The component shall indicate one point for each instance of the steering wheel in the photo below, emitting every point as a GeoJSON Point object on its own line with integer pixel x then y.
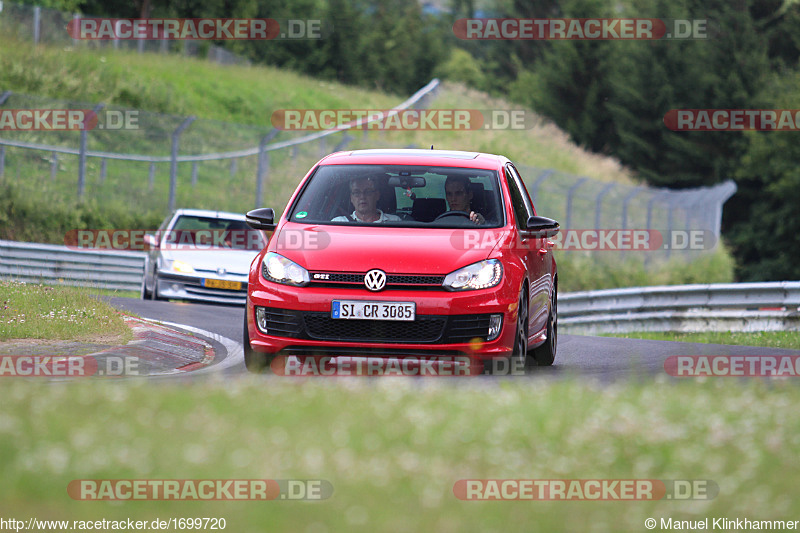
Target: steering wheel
{"type": "Point", "coordinates": [452, 214]}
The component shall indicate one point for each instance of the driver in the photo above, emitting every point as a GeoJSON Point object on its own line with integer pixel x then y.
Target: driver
{"type": "Point", "coordinates": [364, 195]}
{"type": "Point", "coordinates": [459, 196]}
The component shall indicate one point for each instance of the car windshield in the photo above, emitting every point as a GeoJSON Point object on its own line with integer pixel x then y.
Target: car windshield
{"type": "Point", "coordinates": [406, 196]}
{"type": "Point", "coordinates": [214, 232]}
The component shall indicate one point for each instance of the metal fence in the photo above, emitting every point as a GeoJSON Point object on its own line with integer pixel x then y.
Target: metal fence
{"type": "Point", "coordinates": [45, 263]}
{"type": "Point", "coordinates": [582, 203]}
{"type": "Point", "coordinates": [39, 25]}
{"type": "Point", "coordinates": [132, 143]}
{"type": "Point", "coordinates": [773, 306]}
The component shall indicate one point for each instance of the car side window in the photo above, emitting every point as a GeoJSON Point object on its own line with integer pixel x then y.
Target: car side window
{"type": "Point", "coordinates": [519, 200]}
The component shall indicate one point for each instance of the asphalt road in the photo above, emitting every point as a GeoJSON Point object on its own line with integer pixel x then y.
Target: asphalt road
{"type": "Point", "coordinates": [605, 359]}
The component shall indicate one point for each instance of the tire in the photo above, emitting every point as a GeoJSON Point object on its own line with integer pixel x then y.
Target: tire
{"type": "Point", "coordinates": [154, 292]}
{"type": "Point", "coordinates": [518, 360]}
{"type": "Point", "coordinates": [545, 354]}
{"type": "Point", "coordinates": [256, 362]}
{"type": "Point", "coordinates": [144, 294]}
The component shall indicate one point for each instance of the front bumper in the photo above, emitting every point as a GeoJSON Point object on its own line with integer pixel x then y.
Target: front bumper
{"type": "Point", "coordinates": [441, 328]}
{"type": "Point", "coordinates": [171, 286]}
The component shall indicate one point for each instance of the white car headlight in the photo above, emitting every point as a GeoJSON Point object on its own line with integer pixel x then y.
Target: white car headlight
{"type": "Point", "coordinates": [277, 268]}
{"type": "Point", "coordinates": [480, 275]}
{"type": "Point", "coordinates": [181, 267]}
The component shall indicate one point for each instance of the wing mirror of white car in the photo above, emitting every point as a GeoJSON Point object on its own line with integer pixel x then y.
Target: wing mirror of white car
{"type": "Point", "coordinates": [150, 241]}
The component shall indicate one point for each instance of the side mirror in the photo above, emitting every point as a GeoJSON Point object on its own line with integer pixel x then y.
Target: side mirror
{"type": "Point", "coordinates": [150, 242]}
{"type": "Point", "coordinates": [542, 227]}
{"type": "Point", "coordinates": [263, 219]}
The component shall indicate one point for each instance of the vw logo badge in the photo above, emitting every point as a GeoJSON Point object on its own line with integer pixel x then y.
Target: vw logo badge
{"type": "Point", "coordinates": [375, 280]}
{"type": "Point", "coordinates": [221, 272]}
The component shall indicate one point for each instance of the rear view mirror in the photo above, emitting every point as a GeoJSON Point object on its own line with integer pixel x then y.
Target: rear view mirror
{"type": "Point", "coordinates": [407, 181]}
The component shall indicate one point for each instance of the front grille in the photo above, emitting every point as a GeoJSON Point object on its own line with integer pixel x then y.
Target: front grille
{"type": "Point", "coordinates": [320, 326]}
{"type": "Point", "coordinates": [393, 281]}
{"type": "Point", "coordinates": [432, 329]}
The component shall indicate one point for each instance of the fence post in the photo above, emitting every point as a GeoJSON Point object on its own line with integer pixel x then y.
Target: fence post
{"type": "Point", "coordinates": [37, 19]}
{"type": "Point", "coordinates": [2, 160]}
{"type": "Point", "coordinates": [173, 163]}
{"type": "Point", "coordinates": [103, 168]}
{"type": "Point", "coordinates": [82, 155]}
{"type": "Point", "coordinates": [536, 184]}
{"type": "Point", "coordinates": [76, 25]}
{"type": "Point", "coordinates": [233, 166]}
{"type": "Point", "coordinates": [53, 166]}
{"type": "Point", "coordinates": [151, 177]}
{"type": "Point", "coordinates": [346, 138]}
{"type": "Point", "coordinates": [598, 203]}
{"type": "Point", "coordinates": [263, 164]}
{"type": "Point", "coordinates": [570, 192]}
{"type": "Point", "coordinates": [194, 174]}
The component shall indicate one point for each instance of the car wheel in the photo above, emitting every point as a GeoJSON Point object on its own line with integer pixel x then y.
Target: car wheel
{"type": "Point", "coordinates": [154, 292]}
{"type": "Point", "coordinates": [545, 354]}
{"type": "Point", "coordinates": [256, 362]}
{"type": "Point", "coordinates": [144, 293]}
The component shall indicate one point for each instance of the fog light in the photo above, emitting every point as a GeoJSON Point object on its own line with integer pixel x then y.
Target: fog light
{"type": "Point", "coordinates": [175, 287]}
{"type": "Point", "coordinates": [495, 323]}
{"type": "Point", "coordinates": [261, 319]}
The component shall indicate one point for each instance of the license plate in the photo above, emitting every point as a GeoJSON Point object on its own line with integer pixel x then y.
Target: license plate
{"type": "Point", "coordinates": [360, 310]}
{"type": "Point", "coordinates": [222, 284]}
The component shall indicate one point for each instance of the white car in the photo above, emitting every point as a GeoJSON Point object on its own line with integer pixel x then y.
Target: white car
{"type": "Point", "coordinates": [201, 255]}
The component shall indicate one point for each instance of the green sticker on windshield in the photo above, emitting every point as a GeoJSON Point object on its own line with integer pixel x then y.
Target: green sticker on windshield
{"type": "Point", "coordinates": [301, 214]}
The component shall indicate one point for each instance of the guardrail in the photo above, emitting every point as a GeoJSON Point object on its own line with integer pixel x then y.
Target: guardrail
{"type": "Point", "coordinates": [773, 306]}
{"type": "Point", "coordinates": [717, 307]}
{"type": "Point", "coordinates": [46, 263]}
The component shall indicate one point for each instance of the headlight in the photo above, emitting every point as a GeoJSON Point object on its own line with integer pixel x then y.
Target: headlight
{"type": "Point", "coordinates": [480, 275]}
{"type": "Point", "coordinates": [277, 268]}
{"type": "Point", "coordinates": [183, 268]}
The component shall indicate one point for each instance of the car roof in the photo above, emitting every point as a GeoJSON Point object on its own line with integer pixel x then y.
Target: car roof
{"type": "Point", "coordinates": [446, 158]}
{"type": "Point", "coordinates": [209, 214]}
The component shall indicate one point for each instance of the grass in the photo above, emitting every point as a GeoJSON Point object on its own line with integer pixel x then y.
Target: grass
{"type": "Point", "coordinates": [763, 339]}
{"type": "Point", "coordinates": [393, 458]}
{"type": "Point", "coordinates": [57, 313]}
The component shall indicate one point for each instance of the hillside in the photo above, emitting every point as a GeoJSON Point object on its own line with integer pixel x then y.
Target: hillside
{"type": "Point", "coordinates": [245, 95]}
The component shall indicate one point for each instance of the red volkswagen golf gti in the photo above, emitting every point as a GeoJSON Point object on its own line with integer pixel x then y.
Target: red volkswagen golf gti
{"type": "Point", "coordinates": [425, 254]}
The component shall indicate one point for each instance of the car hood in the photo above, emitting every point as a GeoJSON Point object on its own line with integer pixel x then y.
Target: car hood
{"type": "Point", "coordinates": [233, 261]}
{"type": "Point", "coordinates": [392, 249]}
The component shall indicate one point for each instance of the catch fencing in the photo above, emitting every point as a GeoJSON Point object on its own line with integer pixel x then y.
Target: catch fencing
{"type": "Point", "coordinates": [40, 25]}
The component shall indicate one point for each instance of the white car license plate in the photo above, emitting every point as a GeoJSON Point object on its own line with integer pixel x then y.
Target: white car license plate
{"type": "Point", "coordinates": [360, 310]}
